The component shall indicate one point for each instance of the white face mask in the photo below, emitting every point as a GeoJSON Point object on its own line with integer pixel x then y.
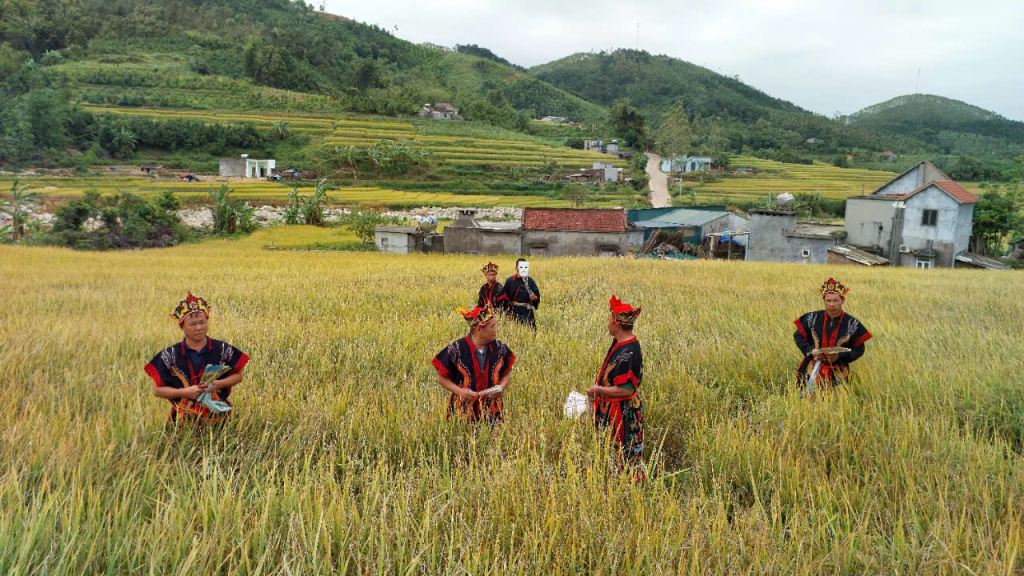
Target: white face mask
{"type": "Point", "coordinates": [524, 269]}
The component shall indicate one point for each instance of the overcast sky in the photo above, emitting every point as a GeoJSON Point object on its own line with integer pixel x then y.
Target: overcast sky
{"type": "Point", "coordinates": [826, 56]}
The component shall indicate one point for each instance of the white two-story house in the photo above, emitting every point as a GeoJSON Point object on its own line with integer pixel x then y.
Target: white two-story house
{"type": "Point", "coordinates": [921, 219]}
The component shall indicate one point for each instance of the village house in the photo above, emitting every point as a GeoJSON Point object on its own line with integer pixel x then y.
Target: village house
{"type": "Point", "coordinates": [695, 223]}
{"type": "Point", "coordinates": [776, 236]}
{"type": "Point", "coordinates": [554, 120]}
{"type": "Point", "coordinates": [246, 167]}
{"type": "Point", "coordinates": [611, 173]}
{"type": "Point", "coordinates": [602, 146]}
{"type": "Point", "coordinates": [813, 141]}
{"type": "Point", "coordinates": [919, 219]}
{"type": "Point", "coordinates": [440, 111]}
{"type": "Point", "coordinates": [543, 231]}
{"type": "Point", "coordinates": [586, 176]}
{"type": "Point", "coordinates": [574, 232]}
{"type": "Point", "coordinates": [888, 156]}
{"type": "Point", "coordinates": [687, 164]}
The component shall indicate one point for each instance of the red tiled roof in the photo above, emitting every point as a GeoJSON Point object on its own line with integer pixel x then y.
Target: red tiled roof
{"type": "Point", "coordinates": [957, 191]}
{"type": "Point", "coordinates": [949, 187]}
{"type": "Point", "coordinates": [606, 220]}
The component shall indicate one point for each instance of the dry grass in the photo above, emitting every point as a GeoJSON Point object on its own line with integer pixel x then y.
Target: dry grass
{"type": "Point", "coordinates": [342, 460]}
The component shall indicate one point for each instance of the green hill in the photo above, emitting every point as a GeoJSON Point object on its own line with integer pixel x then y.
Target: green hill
{"type": "Point", "coordinates": [653, 83]}
{"type": "Point", "coordinates": [277, 44]}
{"type": "Point", "coordinates": [749, 118]}
{"type": "Point", "coordinates": [954, 126]}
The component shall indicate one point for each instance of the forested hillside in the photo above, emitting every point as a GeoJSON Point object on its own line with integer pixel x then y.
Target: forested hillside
{"type": "Point", "coordinates": [97, 50]}
{"type": "Point", "coordinates": [724, 114]}
{"type": "Point", "coordinates": [955, 127]}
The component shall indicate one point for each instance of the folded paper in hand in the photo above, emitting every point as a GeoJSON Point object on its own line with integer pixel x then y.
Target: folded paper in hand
{"type": "Point", "coordinates": [214, 371]}
{"type": "Point", "coordinates": [576, 405]}
{"type": "Point", "coordinates": [211, 373]}
{"type": "Point", "coordinates": [489, 391]}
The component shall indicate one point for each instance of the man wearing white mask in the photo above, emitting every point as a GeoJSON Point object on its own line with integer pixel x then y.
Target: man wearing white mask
{"type": "Point", "coordinates": [523, 294]}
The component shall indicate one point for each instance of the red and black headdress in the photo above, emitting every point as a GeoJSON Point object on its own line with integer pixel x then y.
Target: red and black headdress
{"type": "Point", "coordinates": [490, 267]}
{"type": "Point", "coordinates": [624, 314]}
{"type": "Point", "coordinates": [188, 305]}
{"type": "Point", "coordinates": [477, 316]}
{"type": "Point", "coordinates": [833, 286]}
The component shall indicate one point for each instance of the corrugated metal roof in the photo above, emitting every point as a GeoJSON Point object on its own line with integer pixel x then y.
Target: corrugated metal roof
{"type": "Point", "coordinates": [981, 261]}
{"type": "Point", "coordinates": [682, 217]}
{"type": "Point", "coordinates": [859, 256]}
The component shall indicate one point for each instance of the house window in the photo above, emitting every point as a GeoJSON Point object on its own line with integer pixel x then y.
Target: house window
{"type": "Point", "coordinates": [924, 263]}
{"type": "Point", "coordinates": [805, 253]}
{"type": "Point", "coordinates": [930, 218]}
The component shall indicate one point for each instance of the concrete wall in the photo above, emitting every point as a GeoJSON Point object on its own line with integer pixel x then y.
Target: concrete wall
{"type": "Point", "coordinates": [869, 223]}
{"type": "Point", "coordinates": [771, 239]}
{"type": "Point", "coordinates": [943, 236]}
{"type": "Point", "coordinates": [636, 237]}
{"type": "Point", "coordinates": [565, 243]}
{"type": "Point", "coordinates": [478, 240]}
{"type": "Point", "coordinates": [234, 167]}
{"type": "Point", "coordinates": [817, 246]}
{"type": "Point", "coordinates": [768, 242]}
{"type": "Point", "coordinates": [913, 180]}
{"type": "Point", "coordinates": [395, 242]}
{"type": "Point", "coordinates": [965, 223]}
{"type": "Point", "coordinates": [730, 222]}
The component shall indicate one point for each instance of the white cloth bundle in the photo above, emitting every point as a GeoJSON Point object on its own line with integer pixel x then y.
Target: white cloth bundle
{"type": "Point", "coordinates": [576, 405]}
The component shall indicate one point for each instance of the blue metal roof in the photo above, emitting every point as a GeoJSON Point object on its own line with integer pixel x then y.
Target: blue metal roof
{"type": "Point", "coordinates": [682, 217]}
{"type": "Point", "coordinates": [652, 213]}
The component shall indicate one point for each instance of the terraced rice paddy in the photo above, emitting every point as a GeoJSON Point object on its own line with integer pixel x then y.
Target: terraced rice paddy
{"type": "Point", "coordinates": [59, 189]}
{"type": "Point", "coordinates": [831, 182]}
{"type": "Point", "coordinates": [461, 148]}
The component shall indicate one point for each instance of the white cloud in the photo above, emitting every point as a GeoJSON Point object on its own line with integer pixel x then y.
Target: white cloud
{"type": "Point", "coordinates": [825, 56]}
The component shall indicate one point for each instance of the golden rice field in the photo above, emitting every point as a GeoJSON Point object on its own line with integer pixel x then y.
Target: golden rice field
{"type": "Point", "coordinates": [261, 191]}
{"type": "Point", "coordinates": [341, 459]}
{"type": "Point", "coordinates": [831, 182]}
{"type": "Point", "coordinates": [454, 148]}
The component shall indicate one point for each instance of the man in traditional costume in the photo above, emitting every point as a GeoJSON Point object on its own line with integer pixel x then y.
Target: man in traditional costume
{"type": "Point", "coordinates": [178, 370]}
{"type": "Point", "coordinates": [523, 294]}
{"type": "Point", "coordinates": [829, 328]}
{"type": "Point", "coordinates": [617, 403]}
{"type": "Point", "coordinates": [476, 369]}
{"type": "Point", "coordinates": [492, 293]}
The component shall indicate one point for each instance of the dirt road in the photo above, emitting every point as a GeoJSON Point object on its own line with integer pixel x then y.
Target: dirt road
{"type": "Point", "coordinates": [658, 182]}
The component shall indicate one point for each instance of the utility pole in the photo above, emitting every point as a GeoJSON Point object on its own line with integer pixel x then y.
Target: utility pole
{"type": "Point", "coordinates": [917, 86]}
{"type": "Point", "coordinates": [637, 36]}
